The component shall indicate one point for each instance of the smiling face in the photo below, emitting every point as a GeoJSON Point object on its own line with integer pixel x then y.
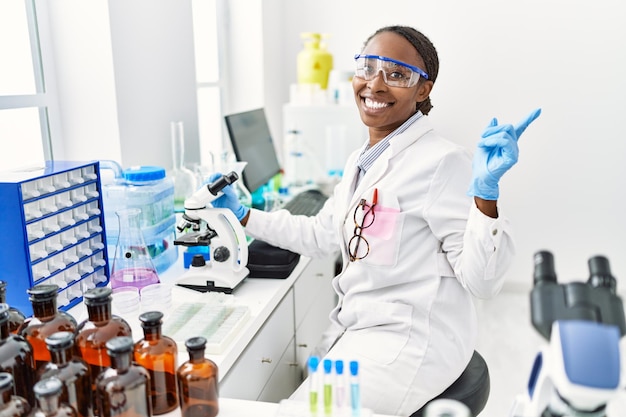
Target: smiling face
{"type": "Point", "coordinates": [382, 108]}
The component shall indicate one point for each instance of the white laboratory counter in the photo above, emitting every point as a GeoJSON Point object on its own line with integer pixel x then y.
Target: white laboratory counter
{"type": "Point", "coordinates": [242, 408]}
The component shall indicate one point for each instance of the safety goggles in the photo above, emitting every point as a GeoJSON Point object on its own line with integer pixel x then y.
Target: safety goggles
{"type": "Point", "coordinates": [395, 73]}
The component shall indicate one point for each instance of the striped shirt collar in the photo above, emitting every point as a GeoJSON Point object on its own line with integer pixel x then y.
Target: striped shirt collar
{"type": "Point", "coordinates": [370, 154]}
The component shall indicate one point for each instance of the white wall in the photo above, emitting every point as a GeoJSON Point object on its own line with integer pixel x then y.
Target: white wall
{"type": "Point", "coordinates": [502, 59]}
{"type": "Point", "coordinates": [125, 70]}
{"type": "Point", "coordinates": [155, 79]}
{"type": "Point", "coordinates": [244, 53]}
{"type": "Point", "coordinates": [83, 65]}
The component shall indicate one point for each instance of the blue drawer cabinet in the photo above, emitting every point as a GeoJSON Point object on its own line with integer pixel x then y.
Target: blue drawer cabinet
{"type": "Point", "coordinates": [52, 231]}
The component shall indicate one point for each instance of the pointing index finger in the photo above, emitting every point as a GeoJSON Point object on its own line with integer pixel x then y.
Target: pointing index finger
{"type": "Point", "coordinates": [521, 126]}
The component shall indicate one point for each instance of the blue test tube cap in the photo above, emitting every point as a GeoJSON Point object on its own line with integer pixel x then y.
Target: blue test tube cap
{"type": "Point", "coordinates": [328, 366]}
{"type": "Point", "coordinates": [354, 368]}
{"type": "Point", "coordinates": [339, 367]}
{"type": "Point", "coordinates": [314, 362]}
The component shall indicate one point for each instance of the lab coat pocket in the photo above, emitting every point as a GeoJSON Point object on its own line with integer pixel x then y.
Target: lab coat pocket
{"type": "Point", "coordinates": [384, 330]}
{"type": "Point", "coordinates": [383, 236]}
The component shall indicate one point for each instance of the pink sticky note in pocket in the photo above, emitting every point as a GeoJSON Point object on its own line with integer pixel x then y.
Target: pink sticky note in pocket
{"type": "Point", "coordinates": [385, 223]}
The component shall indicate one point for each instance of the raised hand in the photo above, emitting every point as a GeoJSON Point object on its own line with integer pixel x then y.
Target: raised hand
{"type": "Point", "coordinates": [496, 153]}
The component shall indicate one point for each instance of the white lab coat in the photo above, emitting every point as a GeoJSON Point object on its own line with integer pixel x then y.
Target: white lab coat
{"type": "Point", "coordinates": [405, 311]}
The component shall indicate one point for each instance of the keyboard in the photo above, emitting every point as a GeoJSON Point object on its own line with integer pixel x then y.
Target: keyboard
{"type": "Point", "coordinates": [218, 322]}
{"type": "Point", "coordinates": [307, 202]}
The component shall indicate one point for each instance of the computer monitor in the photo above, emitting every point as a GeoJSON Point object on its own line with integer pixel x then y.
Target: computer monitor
{"type": "Point", "coordinates": [252, 143]}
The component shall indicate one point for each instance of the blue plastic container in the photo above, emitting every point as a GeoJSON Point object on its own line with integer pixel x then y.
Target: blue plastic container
{"type": "Point", "coordinates": [150, 190]}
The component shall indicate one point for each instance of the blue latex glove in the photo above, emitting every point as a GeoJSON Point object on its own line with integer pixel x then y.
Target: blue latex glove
{"type": "Point", "coordinates": [496, 153]}
{"type": "Point", "coordinates": [229, 199]}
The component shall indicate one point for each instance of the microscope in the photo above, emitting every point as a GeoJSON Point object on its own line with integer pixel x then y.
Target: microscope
{"type": "Point", "coordinates": [219, 229]}
{"type": "Point", "coordinates": [578, 372]}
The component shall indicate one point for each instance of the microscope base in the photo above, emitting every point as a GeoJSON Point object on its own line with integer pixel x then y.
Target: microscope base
{"type": "Point", "coordinates": [204, 279]}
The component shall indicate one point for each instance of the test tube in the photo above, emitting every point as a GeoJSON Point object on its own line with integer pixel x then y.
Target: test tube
{"type": "Point", "coordinates": [328, 387]}
{"type": "Point", "coordinates": [314, 362]}
{"type": "Point", "coordinates": [340, 387]}
{"type": "Point", "coordinates": [355, 394]}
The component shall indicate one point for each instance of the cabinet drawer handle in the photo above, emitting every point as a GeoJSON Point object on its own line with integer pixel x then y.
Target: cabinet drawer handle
{"type": "Point", "coordinates": [266, 360]}
{"type": "Point", "coordinates": [303, 345]}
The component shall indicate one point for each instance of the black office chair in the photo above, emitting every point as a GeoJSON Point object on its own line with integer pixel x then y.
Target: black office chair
{"type": "Point", "coordinates": [471, 388]}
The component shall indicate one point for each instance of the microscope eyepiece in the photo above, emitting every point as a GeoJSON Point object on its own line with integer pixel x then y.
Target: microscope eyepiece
{"type": "Point", "coordinates": [544, 268]}
{"type": "Point", "coordinates": [600, 273]}
{"type": "Point", "coordinates": [226, 179]}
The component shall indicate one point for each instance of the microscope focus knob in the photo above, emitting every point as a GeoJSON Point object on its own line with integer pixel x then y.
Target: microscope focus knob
{"type": "Point", "coordinates": [221, 254]}
{"type": "Point", "coordinates": [198, 261]}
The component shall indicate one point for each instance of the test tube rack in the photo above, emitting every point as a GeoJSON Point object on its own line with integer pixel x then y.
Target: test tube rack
{"type": "Point", "coordinates": [53, 231]}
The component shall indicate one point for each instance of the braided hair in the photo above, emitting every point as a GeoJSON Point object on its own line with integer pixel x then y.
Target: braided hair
{"type": "Point", "coordinates": [424, 48]}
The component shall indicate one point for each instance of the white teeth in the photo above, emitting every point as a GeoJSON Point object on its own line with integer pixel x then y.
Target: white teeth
{"type": "Point", "coordinates": [374, 104]}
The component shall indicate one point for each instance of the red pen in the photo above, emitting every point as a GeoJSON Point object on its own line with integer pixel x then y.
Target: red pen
{"type": "Point", "coordinates": [375, 198]}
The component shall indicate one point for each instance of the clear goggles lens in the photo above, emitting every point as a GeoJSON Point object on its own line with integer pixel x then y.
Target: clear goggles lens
{"type": "Point", "coordinates": [395, 73]}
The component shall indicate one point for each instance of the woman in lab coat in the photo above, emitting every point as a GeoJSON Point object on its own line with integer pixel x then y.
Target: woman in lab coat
{"type": "Point", "coordinates": [416, 245]}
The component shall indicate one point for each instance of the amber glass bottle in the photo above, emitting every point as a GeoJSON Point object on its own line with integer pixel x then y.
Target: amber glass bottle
{"type": "Point", "coordinates": [46, 319]}
{"type": "Point", "coordinates": [158, 354]}
{"type": "Point", "coordinates": [11, 405]}
{"type": "Point", "coordinates": [99, 327]}
{"type": "Point", "coordinates": [48, 393]}
{"type": "Point", "coordinates": [71, 370]}
{"type": "Point", "coordinates": [16, 317]}
{"type": "Point", "coordinates": [198, 382]}
{"type": "Point", "coordinates": [16, 358]}
{"type": "Point", "coordinates": [123, 389]}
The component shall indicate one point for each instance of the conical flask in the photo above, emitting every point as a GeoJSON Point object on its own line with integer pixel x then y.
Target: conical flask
{"type": "Point", "coordinates": [132, 265]}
